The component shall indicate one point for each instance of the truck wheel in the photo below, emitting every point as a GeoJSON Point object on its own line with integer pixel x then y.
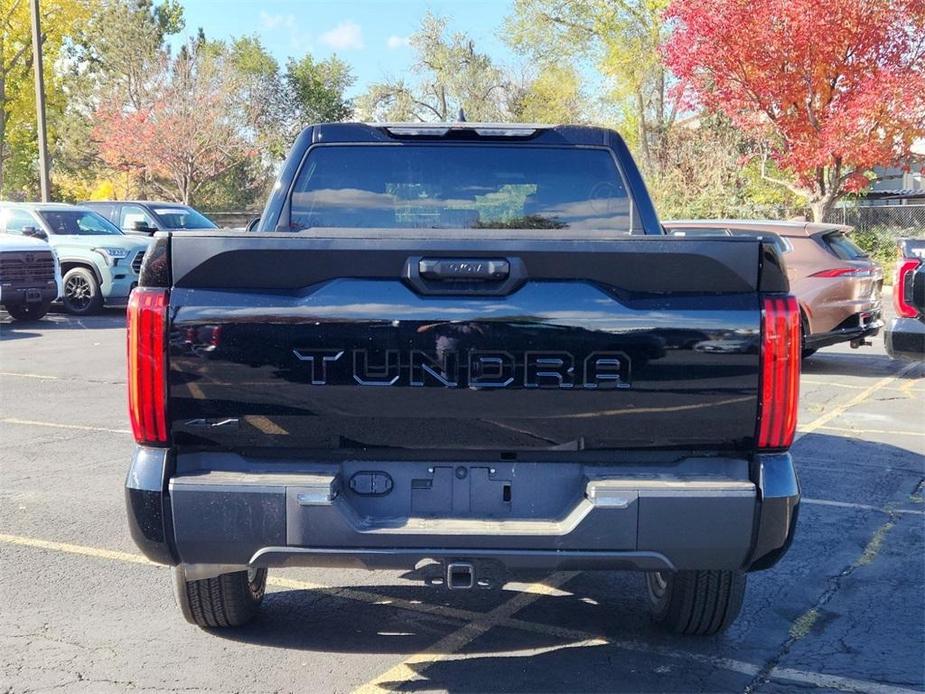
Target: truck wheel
{"type": "Point", "coordinates": [26, 312]}
{"type": "Point", "coordinates": [228, 600]}
{"type": "Point", "coordinates": [695, 602]}
{"type": "Point", "coordinates": [81, 292]}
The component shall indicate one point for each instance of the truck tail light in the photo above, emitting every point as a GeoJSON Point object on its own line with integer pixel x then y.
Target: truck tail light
{"type": "Point", "coordinates": [147, 365]}
{"type": "Point", "coordinates": [903, 287]}
{"type": "Point", "coordinates": [781, 346]}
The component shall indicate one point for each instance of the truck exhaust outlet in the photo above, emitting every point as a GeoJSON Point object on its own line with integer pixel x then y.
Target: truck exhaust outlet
{"type": "Point", "coordinates": [460, 575]}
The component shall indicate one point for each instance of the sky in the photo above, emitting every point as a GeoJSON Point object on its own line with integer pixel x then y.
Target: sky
{"type": "Point", "coordinates": [371, 35]}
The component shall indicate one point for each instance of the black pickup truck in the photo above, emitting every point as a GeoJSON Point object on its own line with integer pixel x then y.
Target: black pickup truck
{"type": "Point", "coordinates": [467, 349]}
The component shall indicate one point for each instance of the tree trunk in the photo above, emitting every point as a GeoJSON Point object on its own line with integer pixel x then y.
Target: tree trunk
{"type": "Point", "coordinates": [643, 132]}
{"type": "Point", "coordinates": [820, 207]}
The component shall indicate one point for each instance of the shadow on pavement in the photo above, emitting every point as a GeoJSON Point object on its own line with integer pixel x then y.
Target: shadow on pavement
{"type": "Point", "coordinates": [107, 319]}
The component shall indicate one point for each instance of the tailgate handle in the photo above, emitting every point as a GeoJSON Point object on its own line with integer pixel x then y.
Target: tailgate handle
{"type": "Point", "coordinates": [464, 269]}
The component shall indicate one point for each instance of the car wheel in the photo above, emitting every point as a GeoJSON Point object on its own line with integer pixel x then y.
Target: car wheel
{"type": "Point", "coordinates": [81, 292]}
{"type": "Point", "coordinates": [695, 602]}
{"type": "Point", "coordinates": [27, 312]}
{"type": "Point", "coordinates": [227, 600]}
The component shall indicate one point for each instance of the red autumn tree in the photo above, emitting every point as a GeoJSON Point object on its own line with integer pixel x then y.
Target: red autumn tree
{"type": "Point", "coordinates": [190, 135]}
{"type": "Point", "coordinates": [832, 88]}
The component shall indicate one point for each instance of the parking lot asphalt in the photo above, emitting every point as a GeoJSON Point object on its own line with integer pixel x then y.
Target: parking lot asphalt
{"type": "Point", "coordinates": [82, 611]}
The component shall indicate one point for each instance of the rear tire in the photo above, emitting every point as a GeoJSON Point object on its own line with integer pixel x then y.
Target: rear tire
{"type": "Point", "coordinates": [27, 312]}
{"type": "Point", "coordinates": [81, 292]}
{"type": "Point", "coordinates": [695, 602]}
{"type": "Point", "coordinates": [227, 600]}
{"type": "Point", "coordinates": [805, 352]}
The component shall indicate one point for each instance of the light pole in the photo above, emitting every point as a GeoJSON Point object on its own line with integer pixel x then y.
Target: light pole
{"type": "Point", "coordinates": [40, 100]}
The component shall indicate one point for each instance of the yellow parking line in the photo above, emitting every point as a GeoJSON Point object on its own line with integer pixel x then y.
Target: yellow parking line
{"type": "Point", "coordinates": [448, 613]}
{"type": "Point", "coordinates": [405, 671]}
{"type": "Point", "coordinates": [76, 549]}
{"type": "Point", "coordinates": [54, 425]}
{"type": "Point", "coordinates": [865, 394]}
{"type": "Point", "coordinates": [22, 375]}
{"type": "Point", "coordinates": [890, 432]}
{"type": "Point", "coordinates": [814, 382]}
{"type": "Point", "coordinates": [906, 388]}
{"type": "Point", "coordinates": [195, 390]}
{"type": "Point", "coordinates": [577, 637]}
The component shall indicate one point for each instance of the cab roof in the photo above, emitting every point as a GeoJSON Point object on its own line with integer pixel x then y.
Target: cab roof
{"type": "Point", "coordinates": [537, 133]}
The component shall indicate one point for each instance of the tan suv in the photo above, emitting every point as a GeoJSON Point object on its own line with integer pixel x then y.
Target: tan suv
{"type": "Point", "coordinates": [837, 285]}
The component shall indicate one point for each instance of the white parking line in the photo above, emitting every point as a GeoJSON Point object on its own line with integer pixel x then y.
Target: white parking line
{"type": "Point", "coordinates": [862, 507]}
{"type": "Point", "coordinates": [24, 375]}
{"type": "Point", "coordinates": [54, 425]}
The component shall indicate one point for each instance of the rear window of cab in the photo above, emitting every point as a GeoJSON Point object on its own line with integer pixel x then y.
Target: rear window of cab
{"type": "Point", "coordinates": [462, 186]}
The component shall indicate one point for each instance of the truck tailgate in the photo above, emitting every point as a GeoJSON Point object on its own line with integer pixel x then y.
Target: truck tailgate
{"type": "Point", "coordinates": [333, 342]}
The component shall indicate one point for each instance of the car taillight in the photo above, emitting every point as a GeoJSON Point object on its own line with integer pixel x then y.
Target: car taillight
{"type": "Point", "coordinates": [147, 364]}
{"type": "Point", "coordinates": [780, 371]}
{"type": "Point", "coordinates": [842, 272]}
{"type": "Point", "coordinates": [902, 288]}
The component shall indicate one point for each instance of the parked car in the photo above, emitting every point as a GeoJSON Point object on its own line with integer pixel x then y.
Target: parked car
{"type": "Point", "coordinates": [905, 336]}
{"type": "Point", "coordinates": [837, 285]}
{"type": "Point", "coordinates": [30, 277]}
{"type": "Point", "coordinates": [100, 264]}
{"type": "Point", "coordinates": [469, 349]}
{"type": "Point", "coordinates": [147, 217]}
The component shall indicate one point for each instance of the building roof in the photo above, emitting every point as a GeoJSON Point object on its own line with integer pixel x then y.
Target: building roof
{"type": "Point", "coordinates": [896, 193]}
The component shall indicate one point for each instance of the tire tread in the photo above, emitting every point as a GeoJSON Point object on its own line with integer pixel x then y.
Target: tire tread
{"type": "Point", "coordinates": [220, 601]}
{"type": "Point", "coordinates": [701, 602]}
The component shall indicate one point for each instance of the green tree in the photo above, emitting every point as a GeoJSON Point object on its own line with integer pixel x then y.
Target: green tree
{"type": "Point", "coordinates": [318, 89]}
{"type": "Point", "coordinates": [60, 21]}
{"type": "Point", "coordinates": [190, 136]}
{"type": "Point", "coordinates": [709, 172]}
{"type": "Point", "coordinates": [452, 75]}
{"type": "Point", "coordinates": [117, 57]}
{"type": "Point", "coordinates": [553, 96]}
{"type": "Point", "coordinates": [259, 103]}
{"type": "Point", "coordinates": [622, 38]}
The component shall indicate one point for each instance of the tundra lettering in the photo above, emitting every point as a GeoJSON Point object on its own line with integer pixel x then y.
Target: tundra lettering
{"type": "Point", "coordinates": [477, 369]}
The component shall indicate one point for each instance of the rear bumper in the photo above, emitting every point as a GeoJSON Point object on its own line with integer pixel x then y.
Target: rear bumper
{"type": "Point", "coordinates": [858, 326]}
{"type": "Point", "coordinates": [205, 512]}
{"type": "Point", "coordinates": [905, 339]}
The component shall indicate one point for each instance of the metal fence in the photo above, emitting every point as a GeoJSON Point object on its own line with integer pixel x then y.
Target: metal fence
{"type": "Point", "coordinates": [899, 220]}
